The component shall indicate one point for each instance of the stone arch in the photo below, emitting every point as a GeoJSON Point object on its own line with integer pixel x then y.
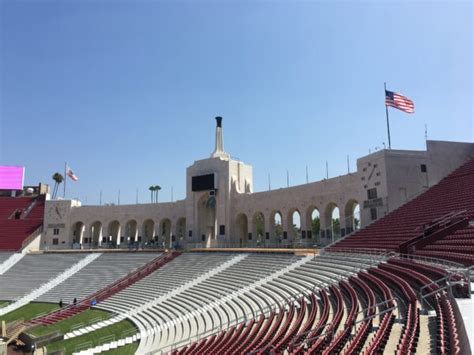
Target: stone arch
{"type": "Point", "coordinates": [96, 233]}
{"type": "Point", "coordinates": [180, 232]}
{"type": "Point", "coordinates": [276, 225]}
{"type": "Point", "coordinates": [332, 221]}
{"type": "Point", "coordinates": [351, 216]}
{"type": "Point", "coordinates": [258, 227]}
{"type": "Point", "coordinates": [77, 232]}
{"type": "Point", "coordinates": [113, 232]}
{"type": "Point", "coordinates": [242, 229]}
{"type": "Point", "coordinates": [148, 230]}
{"type": "Point", "coordinates": [206, 211]}
{"type": "Point", "coordinates": [294, 224]}
{"type": "Point", "coordinates": [131, 231]}
{"type": "Point", "coordinates": [165, 233]}
{"type": "Point", "coordinates": [313, 222]}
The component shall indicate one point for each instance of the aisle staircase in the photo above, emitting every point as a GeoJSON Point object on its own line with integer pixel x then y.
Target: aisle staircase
{"type": "Point", "coordinates": [50, 284]}
{"type": "Point", "coordinates": [106, 292]}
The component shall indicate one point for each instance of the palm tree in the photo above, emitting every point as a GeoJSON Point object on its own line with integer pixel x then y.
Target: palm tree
{"type": "Point", "coordinates": [151, 188]}
{"type": "Point", "coordinates": [58, 179]}
{"type": "Point", "coordinates": [157, 189]}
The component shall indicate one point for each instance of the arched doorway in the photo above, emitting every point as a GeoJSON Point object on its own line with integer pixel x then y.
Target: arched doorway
{"type": "Point", "coordinates": [258, 228]}
{"type": "Point", "coordinates": [131, 231]}
{"type": "Point", "coordinates": [352, 216]}
{"type": "Point", "coordinates": [77, 231]}
{"type": "Point", "coordinates": [181, 230]}
{"type": "Point", "coordinates": [113, 233]}
{"type": "Point", "coordinates": [165, 233]}
{"type": "Point", "coordinates": [313, 224]}
{"type": "Point", "coordinates": [96, 234]}
{"type": "Point", "coordinates": [148, 230]}
{"type": "Point", "coordinates": [207, 219]}
{"type": "Point", "coordinates": [333, 223]}
{"type": "Point", "coordinates": [294, 227]}
{"type": "Point", "coordinates": [276, 227]}
{"type": "Point", "coordinates": [242, 230]}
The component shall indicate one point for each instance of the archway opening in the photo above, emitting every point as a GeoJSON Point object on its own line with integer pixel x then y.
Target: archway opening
{"type": "Point", "coordinates": [277, 227]}
{"type": "Point", "coordinates": [165, 233]}
{"type": "Point", "coordinates": [96, 233]}
{"type": "Point", "coordinates": [131, 231]}
{"type": "Point", "coordinates": [147, 231]}
{"type": "Point", "coordinates": [206, 207]}
{"type": "Point", "coordinates": [77, 231]}
{"type": "Point", "coordinates": [352, 214]}
{"type": "Point", "coordinates": [114, 233]}
{"type": "Point", "coordinates": [336, 223]}
{"type": "Point", "coordinates": [181, 230]}
{"type": "Point", "coordinates": [258, 228]}
{"type": "Point", "coordinates": [243, 236]}
{"type": "Point", "coordinates": [315, 219]}
{"type": "Point", "coordinates": [295, 226]}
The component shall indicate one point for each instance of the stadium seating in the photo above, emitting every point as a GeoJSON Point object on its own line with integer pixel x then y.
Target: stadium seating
{"type": "Point", "coordinates": [293, 327]}
{"type": "Point", "coordinates": [35, 270]}
{"type": "Point", "coordinates": [13, 232]}
{"type": "Point", "coordinates": [239, 292]}
{"type": "Point", "coordinates": [454, 247]}
{"type": "Point", "coordinates": [451, 199]}
{"type": "Point", "coordinates": [224, 302]}
{"type": "Point", "coordinates": [4, 256]}
{"type": "Point", "coordinates": [102, 272]}
{"type": "Point", "coordinates": [107, 291]}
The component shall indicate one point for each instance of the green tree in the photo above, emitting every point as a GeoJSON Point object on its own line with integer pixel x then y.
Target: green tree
{"type": "Point", "coordinates": [278, 230]}
{"type": "Point", "coordinates": [336, 226]}
{"type": "Point", "coordinates": [260, 225]}
{"type": "Point", "coordinates": [151, 188]}
{"type": "Point", "coordinates": [157, 190]}
{"type": "Point", "coordinates": [316, 226]}
{"type": "Point", "coordinates": [58, 179]}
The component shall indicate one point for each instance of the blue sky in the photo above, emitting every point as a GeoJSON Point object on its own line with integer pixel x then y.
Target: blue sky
{"type": "Point", "coordinates": [126, 92]}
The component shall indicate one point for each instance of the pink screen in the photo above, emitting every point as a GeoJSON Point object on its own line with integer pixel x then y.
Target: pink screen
{"type": "Point", "coordinates": [11, 177]}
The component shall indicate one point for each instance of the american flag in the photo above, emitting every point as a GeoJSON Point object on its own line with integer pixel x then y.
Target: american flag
{"type": "Point", "coordinates": [71, 174]}
{"type": "Point", "coordinates": [399, 101]}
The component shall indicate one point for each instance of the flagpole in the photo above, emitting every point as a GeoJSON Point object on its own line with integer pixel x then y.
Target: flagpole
{"type": "Point", "coordinates": [65, 179]}
{"type": "Point", "coordinates": [386, 112]}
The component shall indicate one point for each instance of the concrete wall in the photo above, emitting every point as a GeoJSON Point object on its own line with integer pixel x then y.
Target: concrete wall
{"type": "Point", "coordinates": [396, 175]}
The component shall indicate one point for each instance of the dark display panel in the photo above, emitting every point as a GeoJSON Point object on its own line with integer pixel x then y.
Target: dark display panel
{"type": "Point", "coordinates": [203, 182]}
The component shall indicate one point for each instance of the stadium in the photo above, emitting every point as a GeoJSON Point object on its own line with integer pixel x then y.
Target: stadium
{"type": "Point", "coordinates": [227, 270]}
{"type": "Point", "coordinates": [127, 226]}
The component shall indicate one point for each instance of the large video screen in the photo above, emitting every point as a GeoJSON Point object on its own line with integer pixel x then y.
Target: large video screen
{"type": "Point", "coordinates": [12, 177]}
{"type": "Point", "coordinates": [203, 182]}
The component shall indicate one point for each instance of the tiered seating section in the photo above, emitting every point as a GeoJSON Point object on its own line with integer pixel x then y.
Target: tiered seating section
{"type": "Point", "coordinates": [106, 292]}
{"type": "Point", "coordinates": [452, 195]}
{"type": "Point", "coordinates": [254, 303]}
{"type": "Point", "coordinates": [32, 271]}
{"type": "Point", "coordinates": [13, 232]}
{"type": "Point", "coordinates": [322, 322]}
{"type": "Point", "coordinates": [457, 247]}
{"type": "Point", "coordinates": [103, 271]}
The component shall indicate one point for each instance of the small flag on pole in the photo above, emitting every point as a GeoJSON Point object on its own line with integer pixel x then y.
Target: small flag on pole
{"type": "Point", "coordinates": [71, 174]}
{"type": "Point", "coordinates": [399, 101]}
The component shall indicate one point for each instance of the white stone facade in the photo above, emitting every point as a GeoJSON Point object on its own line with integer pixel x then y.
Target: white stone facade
{"type": "Point", "coordinates": [228, 214]}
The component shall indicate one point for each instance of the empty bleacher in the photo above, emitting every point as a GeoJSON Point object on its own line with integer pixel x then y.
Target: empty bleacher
{"type": "Point", "coordinates": [452, 196]}
{"type": "Point", "coordinates": [295, 328]}
{"type": "Point", "coordinates": [13, 232]}
{"type": "Point", "coordinates": [103, 271]}
{"type": "Point", "coordinates": [457, 247]}
{"type": "Point", "coordinates": [4, 256]}
{"type": "Point", "coordinates": [32, 271]}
